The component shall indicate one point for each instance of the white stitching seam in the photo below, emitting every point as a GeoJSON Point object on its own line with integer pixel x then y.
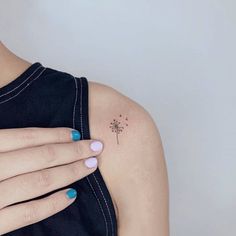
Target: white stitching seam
{"type": "Point", "coordinates": [112, 233]}
{"type": "Point", "coordinates": [99, 205]}
{"type": "Point", "coordinates": [82, 135]}
{"type": "Point", "coordinates": [104, 200]}
{"type": "Point", "coordinates": [76, 95]}
{"type": "Point", "coordinates": [24, 87]}
{"type": "Point", "coordinates": [81, 113]}
{"type": "Point", "coordinates": [21, 82]}
{"type": "Point", "coordinates": [98, 184]}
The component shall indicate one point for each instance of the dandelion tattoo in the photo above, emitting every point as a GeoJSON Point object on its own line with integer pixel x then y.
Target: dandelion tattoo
{"type": "Point", "coordinates": [117, 126]}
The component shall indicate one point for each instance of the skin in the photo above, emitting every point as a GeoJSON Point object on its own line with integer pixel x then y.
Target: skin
{"type": "Point", "coordinates": [132, 162]}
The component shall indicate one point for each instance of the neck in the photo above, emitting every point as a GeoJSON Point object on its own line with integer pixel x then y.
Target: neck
{"type": "Point", "coordinates": [11, 66]}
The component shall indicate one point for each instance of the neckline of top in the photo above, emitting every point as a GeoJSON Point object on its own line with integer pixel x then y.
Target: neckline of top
{"type": "Point", "coordinates": [26, 76]}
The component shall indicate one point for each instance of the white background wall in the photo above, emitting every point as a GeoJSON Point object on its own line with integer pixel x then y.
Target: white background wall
{"type": "Point", "coordinates": [174, 57]}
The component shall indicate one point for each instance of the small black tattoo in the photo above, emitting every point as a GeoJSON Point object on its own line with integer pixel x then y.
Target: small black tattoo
{"type": "Point", "coordinates": [117, 127]}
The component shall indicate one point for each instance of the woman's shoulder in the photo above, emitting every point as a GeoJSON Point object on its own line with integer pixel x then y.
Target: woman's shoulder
{"type": "Point", "coordinates": [132, 161]}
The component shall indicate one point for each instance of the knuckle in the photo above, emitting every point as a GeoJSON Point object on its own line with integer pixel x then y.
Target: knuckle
{"type": "Point", "coordinates": [28, 135]}
{"type": "Point", "coordinates": [30, 214]}
{"type": "Point", "coordinates": [24, 181]}
{"type": "Point", "coordinates": [50, 154]}
{"type": "Point", "coordinates": [62, 133]}
{"type": "Point", "coordinates": [52, 205]}
{"type": "Point", "coordinates": [79, 148]}
{"type": "Point", "coordinates": [43, 178]}
{"type": "Point", "coordinates": [50, 151]}
{"type": "Point", "coordinates": [74, 169]}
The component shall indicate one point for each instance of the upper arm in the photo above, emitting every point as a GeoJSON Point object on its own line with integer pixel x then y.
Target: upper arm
{"type": "Point", "coordinates": [132, 162]}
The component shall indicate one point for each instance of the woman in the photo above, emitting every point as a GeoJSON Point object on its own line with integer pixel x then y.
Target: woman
{"type": "Point", "coordinates": [56, 177]}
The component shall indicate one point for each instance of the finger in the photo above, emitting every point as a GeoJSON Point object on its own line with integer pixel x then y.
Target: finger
{"type": "Point", "coordinates": [12, 139]}
{"type": "Point", "coordinates": [31, 185]}
{"type": "Point", "coordinates": [20, 215]}
{"type": "Point", "coordinates": [36, 158]}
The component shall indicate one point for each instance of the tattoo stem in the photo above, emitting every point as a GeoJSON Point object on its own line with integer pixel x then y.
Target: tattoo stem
{"type": "Point", "coordinates": [117, 138]}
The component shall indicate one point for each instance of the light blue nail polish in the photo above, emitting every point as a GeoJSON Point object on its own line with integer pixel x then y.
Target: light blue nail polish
{"type": "Point", "coordinates": [71, 193]}
{"type": "Point", "coordinates": [75, 135]}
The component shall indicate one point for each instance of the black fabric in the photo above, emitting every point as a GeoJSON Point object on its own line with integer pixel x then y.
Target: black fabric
{"type": "Point", "coordinates": [45, 97]}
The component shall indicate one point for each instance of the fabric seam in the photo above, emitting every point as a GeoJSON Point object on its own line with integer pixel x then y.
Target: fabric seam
{"type": "Point", "coordinates": [91, 186]}
{"type": "Point", "coordinates": [4, 94]}
{"type": "Point", "coordinates": [82, 135]}
{"type": "Point", "coordinates": [98, 184]}
{"type": "Point", "coordinates": [38, 76]}
{"type": "Point", "coordinates": [97, 181]}
{"type": "Point", "coordinates": [76, 98]}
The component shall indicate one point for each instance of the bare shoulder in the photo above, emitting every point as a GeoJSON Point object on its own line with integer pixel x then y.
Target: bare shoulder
{"type": "Point", "coordinates": [132, 163]}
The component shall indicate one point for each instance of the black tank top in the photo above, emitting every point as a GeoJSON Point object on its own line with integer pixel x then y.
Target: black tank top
{"type": "Point", "coordinates": [45, 97]}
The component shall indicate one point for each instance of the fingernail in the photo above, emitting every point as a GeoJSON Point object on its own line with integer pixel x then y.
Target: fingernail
{"type": "Point", "coordinates": [71, 193]}
{"type": "Point", "coordinates": [75, 135]}
{"type": "Point", "coordinates": [96, 146]}
{"type": "Point", "coordinates": [91, 162]}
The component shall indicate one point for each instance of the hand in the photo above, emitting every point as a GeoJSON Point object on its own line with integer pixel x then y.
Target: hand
{"type": "Point", "coordinates": [33, 162]}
